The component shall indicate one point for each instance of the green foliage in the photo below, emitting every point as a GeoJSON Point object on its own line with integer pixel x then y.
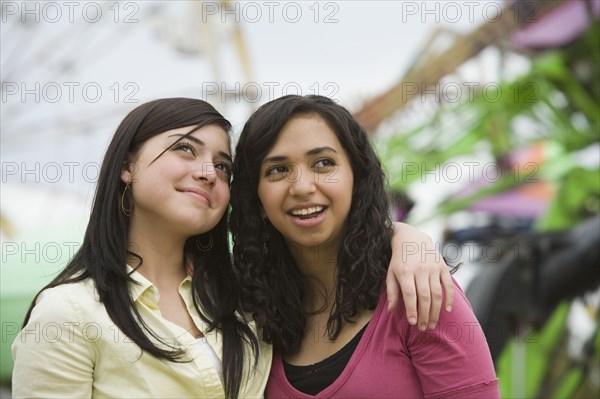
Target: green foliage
{"type": "Point", "coordinates": [548, 105]}
{"type": "Point", "coordinates": [577, 199]}
{"type": "Point", "coordinates": [523, 372]}
{"type": "Point", "coordinates": [555, 105]}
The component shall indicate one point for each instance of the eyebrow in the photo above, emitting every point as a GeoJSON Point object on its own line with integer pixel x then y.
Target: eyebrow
{"type": "Point", "coordinates": [314, 151]}
{"type": "Point", "coordinates": [202, 144]}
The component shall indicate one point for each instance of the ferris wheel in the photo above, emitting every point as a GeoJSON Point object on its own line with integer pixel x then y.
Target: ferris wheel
{"type": "Point", "coordinates": [70, 71]}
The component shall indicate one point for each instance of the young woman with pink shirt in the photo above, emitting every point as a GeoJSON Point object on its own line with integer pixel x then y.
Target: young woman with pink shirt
{"type": "Point", "coordinates": [311, 228]}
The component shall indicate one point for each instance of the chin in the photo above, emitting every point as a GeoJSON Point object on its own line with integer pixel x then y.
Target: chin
{"type": "Point", "coordinates": [305, 242]}
{"type": "Point", "coordinates": [194, 229]}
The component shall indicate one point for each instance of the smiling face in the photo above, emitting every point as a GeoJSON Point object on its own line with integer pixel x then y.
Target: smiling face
{"type": "Point", "coordinates": [305, 184]}
{"type": "Point", "coordinates": [185, 191]}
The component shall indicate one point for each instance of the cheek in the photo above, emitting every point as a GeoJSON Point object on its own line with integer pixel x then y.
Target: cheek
{"type": "Point", "coordinates": [224, 195]}
{"type": "Point", "coordinates": [266, 198]}
{"type": "Point", "coordinates": [347, 190]}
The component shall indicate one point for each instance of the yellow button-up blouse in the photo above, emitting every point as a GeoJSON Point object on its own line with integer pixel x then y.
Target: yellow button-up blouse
{"type": "Point", "coordinates": [71, 348]}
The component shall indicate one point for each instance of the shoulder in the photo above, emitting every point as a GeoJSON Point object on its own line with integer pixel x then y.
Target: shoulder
{"type": "Point", "coordinates": [461, 309]}
{"type": "Point", "coordinates": [461, 313]}
{"type": "Point", "coordinates": [66, 302]}
{"type": "Point", "coordinates": [459, 342]}
{"type": "Point", "coordinates": [55, 323]}
{"type": "Point", "coordinates": [63, 291]}
{"type": "Point", "coordinates": [52, 353]}
{"type": "Point", "coordinates": [457, 331]}
{"type": "Point", "coordinates": [394, 322]}
{"type": "Point", "coordinates": [455, 327]}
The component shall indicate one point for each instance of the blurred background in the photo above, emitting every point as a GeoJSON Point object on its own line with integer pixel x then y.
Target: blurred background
{"type": "Point", "coordinates": [486, 115]}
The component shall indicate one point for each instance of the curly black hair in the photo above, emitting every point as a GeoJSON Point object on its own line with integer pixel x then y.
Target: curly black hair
{"type": "Point", "coordinates": [274, 290]}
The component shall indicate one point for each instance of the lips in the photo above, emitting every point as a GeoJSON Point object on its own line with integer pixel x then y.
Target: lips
{"type": "Point", "coordinates": [307, 215]}
{"type": "Point", "coordinates": [310, 211]}
{"type": "Point", "coordinates": [200, 195]}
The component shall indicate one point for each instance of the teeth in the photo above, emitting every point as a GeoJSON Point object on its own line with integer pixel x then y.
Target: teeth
{"type": "Point", "coordinates": [307, 211]}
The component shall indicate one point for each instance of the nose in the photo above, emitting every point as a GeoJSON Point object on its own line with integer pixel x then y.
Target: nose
{"type": "Point", "coordinates": [206, 172]}
{"type": "Point", "coordinates": [302, 183]}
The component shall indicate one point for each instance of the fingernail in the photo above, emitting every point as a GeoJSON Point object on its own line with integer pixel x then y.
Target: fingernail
{"type": "Point", "coordinates": [422, 327]}
{"type": "Point", "coordinates": [412, 321]}
{"type": "Point", "coordinates": [432, 326]}
{"type": "Point", "coordinates": [448, 308]}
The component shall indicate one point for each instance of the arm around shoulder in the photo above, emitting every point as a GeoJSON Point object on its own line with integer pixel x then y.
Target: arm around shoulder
{"type": "Point", "coordinates": [454, 361]}
{"type": "Point", "coordinates": [52, 357]}
{"type": "Point", "coordinates": [418, 271]}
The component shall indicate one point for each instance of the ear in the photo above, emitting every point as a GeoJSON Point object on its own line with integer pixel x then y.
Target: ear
{"type": "Point", "coordinates": [126, 173]}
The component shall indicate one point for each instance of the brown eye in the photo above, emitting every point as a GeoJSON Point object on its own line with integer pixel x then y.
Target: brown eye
{"type": "Point", "coordinates": [223, 170]}
{"type": "Point", "coordinates": [277, 171]}
{"type": "Point", "coordinates": [324, 164]}
{"type": "Point", "coordinates": [185, 147]}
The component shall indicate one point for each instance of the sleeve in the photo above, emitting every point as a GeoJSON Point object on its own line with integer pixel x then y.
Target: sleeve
{"type": "Point", "coordinates": [52, 358]}
{"type": "Point", "coordinates": [454, 361]}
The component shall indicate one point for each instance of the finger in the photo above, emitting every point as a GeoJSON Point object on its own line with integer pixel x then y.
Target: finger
{"type": "Point", "coordinates": [392, 290]}
{"type": "Point", "coordinates": [448, 287]}
{"type": "Point", "coordinates": [436, 301]}
{"type": "Point", "coordinates": [423, 300]}
{"type": "Point", "coordinates": [409, 295]}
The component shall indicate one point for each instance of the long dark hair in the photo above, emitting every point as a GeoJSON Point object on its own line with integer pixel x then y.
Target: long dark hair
{"type": "Point", "coordinates": [104, 251]}
{"type": "Point", "coordinates": [273, 288]}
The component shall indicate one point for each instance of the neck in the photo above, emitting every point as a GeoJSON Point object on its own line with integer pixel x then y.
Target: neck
{"type": "Point", "coordinates": [319, 265]}
{"type": "Point", "coordinates": [163, 261]}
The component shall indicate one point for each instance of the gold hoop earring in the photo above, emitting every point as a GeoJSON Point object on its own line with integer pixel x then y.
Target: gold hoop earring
{"type": "Point", "coordinates": [126, 211]}
{"type": "Point", "coordinates": [205, 247]}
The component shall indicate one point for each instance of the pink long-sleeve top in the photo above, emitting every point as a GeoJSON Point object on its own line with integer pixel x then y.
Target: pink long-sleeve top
{"type": "Point", "coordinates": [396, 360]}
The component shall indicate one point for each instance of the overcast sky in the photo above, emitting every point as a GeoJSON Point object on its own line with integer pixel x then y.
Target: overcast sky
{"type": "Point", "coordinates": [72, 70]}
